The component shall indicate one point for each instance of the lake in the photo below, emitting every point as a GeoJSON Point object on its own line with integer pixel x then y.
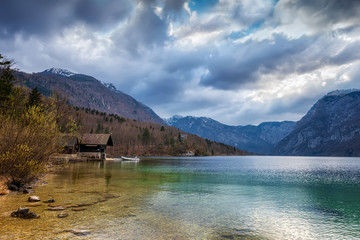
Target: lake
{"type": "Point", "coordinates": [250, 197]}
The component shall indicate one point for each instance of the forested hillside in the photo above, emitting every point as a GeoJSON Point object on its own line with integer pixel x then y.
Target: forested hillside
{"type": "Point", "coordinates": [132, 137]}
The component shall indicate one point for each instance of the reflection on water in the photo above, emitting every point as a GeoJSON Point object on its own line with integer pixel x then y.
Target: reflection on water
{"type": "Point", "coordinates": [196, 198]}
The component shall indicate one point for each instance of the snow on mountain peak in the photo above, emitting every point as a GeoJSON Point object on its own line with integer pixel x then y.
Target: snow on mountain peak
{"type": "Point", "coordinates": [109, 86]}
{"type": "Point", "coordinates": [59, 71]}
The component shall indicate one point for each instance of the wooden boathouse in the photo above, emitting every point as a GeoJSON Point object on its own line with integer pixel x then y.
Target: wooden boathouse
{"type": "Point", "coordinates": [93, 146]}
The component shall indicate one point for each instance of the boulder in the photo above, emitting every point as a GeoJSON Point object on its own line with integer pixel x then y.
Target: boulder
{"type": "Point", "coordinates": [34, 199]}
{"type": "Point", "coordinates": [24, 213]}
{"type": "Point", "coordinates": [27, 191]}
{"type": "Point", "coordinates": [13, 187]}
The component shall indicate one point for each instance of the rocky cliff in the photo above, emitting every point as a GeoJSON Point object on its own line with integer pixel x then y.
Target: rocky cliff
{"type": "Point", "coordinates": [330, 128]}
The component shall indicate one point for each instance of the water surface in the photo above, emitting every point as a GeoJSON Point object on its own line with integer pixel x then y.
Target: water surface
{"type": "Point", "coordinates": [197, 198]}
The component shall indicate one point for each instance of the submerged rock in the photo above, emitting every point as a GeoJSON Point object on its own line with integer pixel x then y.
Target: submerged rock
{"type": "Point", "coordinates": [57, 208]}
{"type": "Point", "coordinates": [34, 204]}
{"type": "Point", "coordinates": [63, 215]}
{"type": "Point", "coordinates": [49, 201]}
{"type": "Point", "coordinates": [77, 232]}
{"type": "Point", "coordinates": [34, 199]}
{"type": "Point", "coordinates": [80, 232]}
{"type": "Point", "coordinates": [79, 209]}
{"type": "Point", "coordinates": [24, 213]}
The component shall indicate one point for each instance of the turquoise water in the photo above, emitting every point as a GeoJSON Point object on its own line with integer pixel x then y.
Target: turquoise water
{"type": "Point", "coordinates": [253, 197]}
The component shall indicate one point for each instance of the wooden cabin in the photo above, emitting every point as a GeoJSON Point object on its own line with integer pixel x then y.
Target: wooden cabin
{"type": "Point", "coordinates": [93, 146]}
{"type": "Point", "coordinates": [69, 143]}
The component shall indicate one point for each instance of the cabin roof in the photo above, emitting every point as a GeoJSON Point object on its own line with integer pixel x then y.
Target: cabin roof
{"type": "Point", "coordinates": [68, 140]}
{"type": "Point", "coordinates": [96, 139]}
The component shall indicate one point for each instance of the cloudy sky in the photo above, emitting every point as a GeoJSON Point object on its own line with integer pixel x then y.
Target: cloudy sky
{"type": "Point", "coordinates": [239, 62]}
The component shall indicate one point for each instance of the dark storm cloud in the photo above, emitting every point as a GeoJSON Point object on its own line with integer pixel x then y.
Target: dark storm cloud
{"type": "Point", "coordinates": [183, 62]}
{"type": "Point", "coordinates": [246, 63]}
{"type": "Point", "coordinates": [174, 5]}
{"type": "Point", "coordinates": [144, 30]}
{"type": "Point", "coordinates": [100, 13]}
{"type": "Point", "coordinates": [161, 89]}
{"type": "Point", "coordinates": [322, 13]}
{"type": "Point", "coordinates": [43, 17]}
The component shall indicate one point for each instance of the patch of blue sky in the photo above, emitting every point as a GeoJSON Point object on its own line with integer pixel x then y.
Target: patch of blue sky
{"type": "Point", "coordinates": [253, 28]}
{"type": "Point", "coordinates": [202, 5]}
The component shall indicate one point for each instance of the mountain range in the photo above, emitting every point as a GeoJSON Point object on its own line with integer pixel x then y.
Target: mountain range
{"type": "Point", "coordinates": [85, 91]}
{"type": "Point", "coordinates": [258, 139]}
{"type": "Point", "coordinates": [330, 128]}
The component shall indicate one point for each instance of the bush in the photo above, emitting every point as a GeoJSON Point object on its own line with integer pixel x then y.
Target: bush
{"type": "Point", "coordinates": [20, 166]}
{"type": "Point", "coordinates": [26, 143]}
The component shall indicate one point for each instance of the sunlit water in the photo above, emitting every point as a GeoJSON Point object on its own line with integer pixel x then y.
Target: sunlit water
{"type": "Point", "coordinates": [196, 198]}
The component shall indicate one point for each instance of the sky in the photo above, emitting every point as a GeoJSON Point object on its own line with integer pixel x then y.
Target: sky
{"type": "Point", "coordinates": [238, 62]}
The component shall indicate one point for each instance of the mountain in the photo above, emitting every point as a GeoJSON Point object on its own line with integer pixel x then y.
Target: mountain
{"type": "Point", "coordinates": [259, 139]}
{"type": "Point", "coordinates": [86, 91]}
{"type": "Point", "coordinates": [330, 128]}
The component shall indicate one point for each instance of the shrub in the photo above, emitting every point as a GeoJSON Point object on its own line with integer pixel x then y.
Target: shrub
{"type": "Point", "coordinates": [26, 143]}
{"type": "Point", "coordinates": [20, 165]}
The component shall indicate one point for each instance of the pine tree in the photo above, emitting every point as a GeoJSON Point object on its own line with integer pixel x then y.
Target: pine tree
{"type": "Point", "coordinates": [146, 136]}
{"type": "Point", "coordinates": [34, 98]}
{"type": "Point", "coordinates": [6, 80]}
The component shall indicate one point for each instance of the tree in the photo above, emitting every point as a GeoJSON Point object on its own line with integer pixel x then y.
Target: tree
{"type": "Point", "coordinates": [6, 79]}
{"type": "Point", "coordinates": [99, 128]}
{"type": "Point", "coordinates": [146, 136]}
{"type": "Point", "coordinates": [34, 97]}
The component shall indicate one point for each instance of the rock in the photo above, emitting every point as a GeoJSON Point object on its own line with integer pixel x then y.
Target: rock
{"type": "Point", "coordinates": [27, 191]}
{"type": "Point", "coordinates": [79, 209]}
{"type": "Point", "coordinates": [80, 232]}
{"type": "Point", "coordinates": [63, 215]}
{"type": "Point", "coordinates": [31, 215]}
{"type": "Point", "coordinates": [13, 187]}
{"type": "Point", "coordinates": [34, 199]}
{"type": "Point", "coordinates": [49, 201]}
{"type": "Point", "coordinates": [86, 204]}
{"type": "Point", "coordinates": [34, 204]}
{"type": "Point", "coordinates": [20, 211]}
{"type": "Point", "coordinates": [57, 208]}
{"type": "Point", "coordinates": [3, 193]}
{"type": "Point", "coordinates": [24, 213]}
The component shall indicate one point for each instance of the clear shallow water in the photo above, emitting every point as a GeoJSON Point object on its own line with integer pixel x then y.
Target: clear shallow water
{"type": "Point", "coordinates": [198, 198]}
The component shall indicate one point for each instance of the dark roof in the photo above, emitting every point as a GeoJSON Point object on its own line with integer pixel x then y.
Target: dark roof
{"type": "Point", "coordinates": [96, 139]}
{"type": "Point", "coordinates": [68, 140]}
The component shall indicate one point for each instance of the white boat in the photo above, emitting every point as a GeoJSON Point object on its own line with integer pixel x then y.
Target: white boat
{"type": "Point", "coordinates": [130, 159]}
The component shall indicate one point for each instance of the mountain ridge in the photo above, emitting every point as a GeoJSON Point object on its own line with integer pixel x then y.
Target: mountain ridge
{"type": "Point", "coordinates": [88, 92]}
{"type": "Point", "coordinates": [331, 127]}
{"type": "Point", "coordinates": [249, 138]}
